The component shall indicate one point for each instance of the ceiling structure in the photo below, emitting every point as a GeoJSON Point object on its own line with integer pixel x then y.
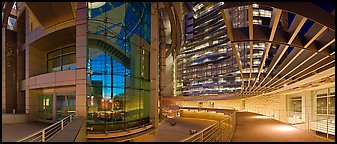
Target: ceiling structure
{"type": "Point", "coordinates": [292, 54]}
{"type": "Point", "coordinates": [307, 46]}
{"type": "Point", "coordinates": [53, 12]}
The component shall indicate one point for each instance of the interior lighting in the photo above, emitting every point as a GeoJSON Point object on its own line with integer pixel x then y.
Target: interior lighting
{"type": "Point", "coordinates": [284, 128]}
{"type": "Point", "coordinates": [94, 5]}
{"type": "Point", "coordinates": [285, 85]}
{"type": "Point", "coordinates": [261, 117]}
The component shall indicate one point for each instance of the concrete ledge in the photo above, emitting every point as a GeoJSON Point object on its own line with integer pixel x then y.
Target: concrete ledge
{"type": "Point", "coordinates": [17, 118]}
{"type": "Point", "coordinates": [122, 137]}
{"type": "Point", "coordinates": [70, 132]}
{"type": "Point", "coordinates": [113, 135]}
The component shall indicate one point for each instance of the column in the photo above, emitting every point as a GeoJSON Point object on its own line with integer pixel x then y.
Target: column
{"type": "Point", "coordinates": [81, 52]}
{"type": "Point", "coordinates": [28, 107]}
{"type": "Point", "coordinates": [307, 110]}
{"type": "Point", "coordinates": [3, 69]}
{"type": "Point", "coordinates": [54, 107]}
{"type": "Point", "coordinates": [154, 64]}
{"type": "Point", "coordinates": [282, 109]}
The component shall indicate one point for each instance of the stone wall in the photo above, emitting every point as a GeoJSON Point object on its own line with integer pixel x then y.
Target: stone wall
{"type": "Point", "coordinates": [227, 104]}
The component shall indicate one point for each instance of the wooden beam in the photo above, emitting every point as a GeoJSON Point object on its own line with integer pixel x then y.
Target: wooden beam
{"type": "Point", "coordinates": [308, 10]}
{"type": "Point", "coordinates": [251, 34]}
{"type": "Point", "coordinates": [7, 10]}
{"type": "Point", "coordinates": [228, 23]}
{"type": "Point", "coordinates": [276, 19]}
{"type": "Point", "coordinates": [297, 29]}
{"type": "Point", "coordinates": [300, 52]}
{"type": "Point", "coordinates": [279, 84]}
{"type": "Point", "coordinates": [303, 62]}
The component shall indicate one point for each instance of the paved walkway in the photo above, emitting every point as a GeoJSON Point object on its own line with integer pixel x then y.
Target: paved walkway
{"type": "Point", "coordinates": [15, 132]}
{"type": "Point", "coordinates": [253, 127]}
{"type": "Point", "coordinates": [69, 133]}
{"type": "Point", "coordinates": [168, 133]}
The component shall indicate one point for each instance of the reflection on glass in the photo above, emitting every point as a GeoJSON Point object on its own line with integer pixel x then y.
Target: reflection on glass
{"type": "Point", "coordinates": [62, 59]}
{"type": "Point", "coordinates": [323, 119]}
{"type": "Point", "coordinates": [45, 104]}
{"type": "Point", "coordinates": [294, 107]}
{"type": "Point", "coordinates": [65, 104]}
{"type": "Point", "coordinates": [118, 68]}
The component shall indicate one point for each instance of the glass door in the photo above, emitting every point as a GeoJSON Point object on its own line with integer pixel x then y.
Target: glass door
{"type": "Point", "coordinates": [45, 106]}
{"type": "Point", "coordinates": [60, 106]}
{"type": "Point", "coordinates": [65, 104]}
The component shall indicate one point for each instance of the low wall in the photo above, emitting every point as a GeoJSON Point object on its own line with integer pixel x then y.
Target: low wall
{"type": "Point", "coordinates": [203, 115]}
{"type": "Point", "coordinates": [17, 118]}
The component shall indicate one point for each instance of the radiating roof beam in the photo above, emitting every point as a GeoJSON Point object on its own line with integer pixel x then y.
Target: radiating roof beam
{"type": "Point", "coordinates": [303, 70]}
{"type": "Point", "coordinates": [293, 58]}
{"type": "Point", "coordinates": [228, 23]}
{"type": "Point", "coordinates": [275, 20]}
{"type": "Point", "coordinates": [297, 29]}
{"type": "Point", "coordinates": [6, 10]}
{"type": "Point", "coordinates": [251, 33]}
{"type": "Point", "coordinates": [307, 73]}
{"type": "Point", "coordinates": [304, 61]}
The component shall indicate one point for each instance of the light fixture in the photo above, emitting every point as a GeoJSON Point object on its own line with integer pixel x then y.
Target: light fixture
{"type": "Point", "coordinates": [284, 128]}
{"type": "Point", "coordinates": [285, 85]}
{"type": "Point", "coordinates": [260, 117]}
{"type": "Point", "coordinates": [93, 5]}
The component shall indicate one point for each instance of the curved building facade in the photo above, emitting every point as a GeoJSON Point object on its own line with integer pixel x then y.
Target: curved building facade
{"type": "Point", "coordinates": [118, 66]}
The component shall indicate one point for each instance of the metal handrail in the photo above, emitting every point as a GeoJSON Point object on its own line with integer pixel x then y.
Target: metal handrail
{"type": "Point", "coordinates": [209, 134]}
{"type": "Point", "coordinates": [42, 133]}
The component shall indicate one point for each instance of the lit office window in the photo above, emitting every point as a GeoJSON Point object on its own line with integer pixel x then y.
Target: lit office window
{"type": "Point", "coordinates": [62, 59]}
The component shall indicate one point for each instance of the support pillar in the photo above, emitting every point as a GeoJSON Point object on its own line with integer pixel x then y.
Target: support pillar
{"type": "Point", "coordinates": [81, 53]}
{"type": "Point", "coordinates": [54, 107]}
{"type": "Point", "coordinates": [154, 65]}
{"type": "Point", "coordinates": [3, 69]}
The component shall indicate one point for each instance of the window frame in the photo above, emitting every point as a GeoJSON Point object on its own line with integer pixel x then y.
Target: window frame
{"type": "Point", "coordinates": [60, 55]}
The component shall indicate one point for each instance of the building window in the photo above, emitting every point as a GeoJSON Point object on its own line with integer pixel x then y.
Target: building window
{"type": "Point", "coordinates": [294, 108]}
{"type": "Point", "coordinates": [62, 59]}
{"type": "Point", "coordinates": [323, 109]}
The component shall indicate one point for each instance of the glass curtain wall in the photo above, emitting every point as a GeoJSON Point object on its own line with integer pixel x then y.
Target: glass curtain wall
{"type": "Point", "coordinates": [118, 93]}
{"type": "Point", "coordinates": [65, 105]}
{"type": "Point", "coordinates": [62, 59]}
{"type": "Point", "coordinates": [294, 106]}
{"type": "Point", "coordinates": [323, 109]}
{"type": "Point", "coordinates": [45, 104]}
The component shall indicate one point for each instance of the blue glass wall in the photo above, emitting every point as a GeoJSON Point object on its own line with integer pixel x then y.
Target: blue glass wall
{"type": "Point", "coordinates": [118, 93]}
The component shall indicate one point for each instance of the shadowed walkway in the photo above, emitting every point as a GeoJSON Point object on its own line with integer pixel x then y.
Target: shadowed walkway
{"type": "Point", "coordinates": [70, 132]}
{"type": "Point", "coordinates": [168, 133]}
{"type": "Point", "coordinates": [253, 127]}
{"type": "Point", "coordinates": [15, 132]}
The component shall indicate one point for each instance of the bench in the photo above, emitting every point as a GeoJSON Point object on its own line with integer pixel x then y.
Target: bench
{"type": "Point", "coordinates": [173, 123]}
{"type": "Point", "coordinates": [193, 131]}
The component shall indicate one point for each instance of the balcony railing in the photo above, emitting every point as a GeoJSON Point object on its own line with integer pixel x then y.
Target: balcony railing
{"type": "Point", "coordinates": [47, 133]}
{"type": "Point", "coordinates": [219, 132]}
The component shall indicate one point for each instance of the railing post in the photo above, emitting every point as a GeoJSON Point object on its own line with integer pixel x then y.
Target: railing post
{"type": "Point", "coordinates": [327, 127]}
{"type": "Point", "coordinates": [62, 124]}
{"type": "Point", "coordinates": [202, 137]}
{"type": "Point", "coordinates": [220, 131]}
{"type": "Point", "coordinates": [14, 115]}
{"type": "Point", "coordinates": [70, 117]}
{"type": "Point", "coordinates": [43, 136]}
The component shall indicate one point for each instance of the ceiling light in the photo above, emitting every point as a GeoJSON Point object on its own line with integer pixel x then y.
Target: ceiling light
{"type": "Point", "coordinates": [93, 5]}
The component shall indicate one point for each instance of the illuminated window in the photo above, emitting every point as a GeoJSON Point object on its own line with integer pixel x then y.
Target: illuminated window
{"type": "Point", "coordinates": [62, 59]}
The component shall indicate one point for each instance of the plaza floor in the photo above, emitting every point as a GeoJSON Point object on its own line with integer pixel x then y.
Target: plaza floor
{"type": "Point", "coordinates": [15, 132]}
{"type": "Point", "coordinates": [253, 127]}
